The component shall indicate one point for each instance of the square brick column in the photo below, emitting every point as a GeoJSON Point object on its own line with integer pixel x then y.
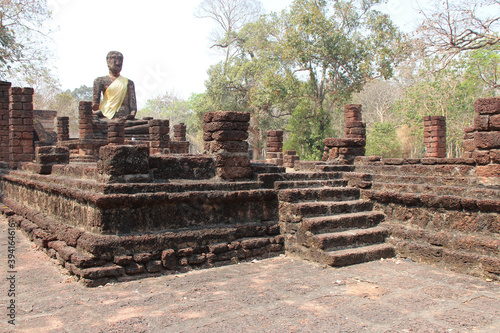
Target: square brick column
{"type": "Point", "coordinates": [62, 129]}
{"type": "Point", "coordinates": [468, 143]}
{"type": "Point", "coordinates": [159, 131]}
{"type": "Point", "coordinates": [86, 121]}
{"type": "Point", "coordinates": [435, 136]}
{"type": "Point", "coordinates": [345, 150]}
{"type": "Point", "coordinates": [224, 134]}
{"type": "Point", "coordinates": [487, 139]}
{"type": "Point", "coordinates": [116, 132]}
{"type": "Point", "coordinates": [274, 147]}
{"type": "Point", "coordinates": [290, 158]}
{"type": "Point", "coordinates": [180, 132]}
{"type": "Point", "coordinates": [4, 121]}
{"type": "Point", "coordinates": [355, 128]}
{"type": "Point", "coordinates": [21, 128]}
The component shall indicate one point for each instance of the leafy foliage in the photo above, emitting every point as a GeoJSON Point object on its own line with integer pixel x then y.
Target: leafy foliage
{"type": "Point", "coordinates": [304, 64]}
{"type": "Point", "coordinates": [23, 40]}
{"type": "Point", "coordinates": [382, 140]}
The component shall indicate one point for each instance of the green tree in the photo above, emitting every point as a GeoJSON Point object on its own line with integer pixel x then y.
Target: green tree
{"type": "Point", "coordinates": [382, 140]}
{"type": "Point", "coordinates": [449, 92]}
{"type": "Point", "coordinates": [333, 48]}
{"type": "Point", "coordinates": [304, 64]}
{"type": "Point", "coordinates": [23, 40]}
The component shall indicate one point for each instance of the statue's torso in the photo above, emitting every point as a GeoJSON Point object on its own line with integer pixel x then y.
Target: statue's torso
{"type": "Point", "coordinates": [102, 83]}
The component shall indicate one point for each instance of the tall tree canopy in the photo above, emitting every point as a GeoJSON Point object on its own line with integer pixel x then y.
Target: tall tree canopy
{"type": "Point", "coordinates": [304, 63]}
{"type": "Point", "coordinates": [23, 39]}
{"type": "Point", "coordinates": [454, 26]}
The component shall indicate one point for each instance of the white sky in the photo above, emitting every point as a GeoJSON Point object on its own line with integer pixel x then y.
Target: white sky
{"type": "Point", "coordinates": [165, 47]}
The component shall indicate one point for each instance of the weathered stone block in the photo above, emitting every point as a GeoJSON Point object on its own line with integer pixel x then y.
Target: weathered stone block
{"type": "Point", "coordinates": [482, 157]}
{"type": "Point", "coordinates": [232, 161]}
{"type": "Point", "coordinates": [492, 170]}
{"type": "Point", "coordinates": [232, 116]}
{"type": "Point", "coordinates": [169, 259]}
{"type": "Point", "coordinates": [484, 106]}
{"type": "Point", "coordinates": [224, 125]}
{"type": "Point", "coordinates": [123, 160]}
{"type": "Point", "coordinates": [487, 140]}
{"type": "Point", "coordinates": [154, 266]}
{"type": "Point", "coordinates": [230, 135]}
{"type": "Point", "coordinates": [482, 123]}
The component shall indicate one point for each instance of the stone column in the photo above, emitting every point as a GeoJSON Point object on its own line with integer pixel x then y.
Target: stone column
{"type": "Point", "coordinates": [290, 158]}
{"type": "Point", "coordinates": [468, 143]}
{"type": "Point", "coordinates": [180, 132]}
{"type": "Point", "coordinates": [355, 128]}
{"type": "Point", "coordinates": [274, 147]}
{"type": "Point", "coordinates": [345, 150]}
{"type": "Point", "coordinates": [85, 126]}
{"type": "Point", "coordinates": [116, 132]}
{"type": "Point", "coordinates": [62, 129]}
{"type": "Point", "coordinates": [21, 128]}
{"type": "Point", "coordinates": [4, 121]}
{"type": "Point", "coordinates": [159, 131]}
{"type": "Point", "coordinates": [487, 139]}
{"type": "Point", "coordinates": [224, 134]}
{"type": "Point", "coordinates": [435, 136]}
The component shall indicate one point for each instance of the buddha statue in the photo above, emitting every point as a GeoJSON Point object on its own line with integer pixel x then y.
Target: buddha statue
{"type": "Point", "coordinates": [118, 92]}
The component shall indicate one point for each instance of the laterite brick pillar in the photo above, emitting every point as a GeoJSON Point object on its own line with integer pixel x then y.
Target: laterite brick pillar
{"type": "Point", "coordinates": [116, 132]}
{"type": "Point", "coordinates": [180, 132]}
{"type": "Point", "coordinates": [468, 143]}
{"type": "Point", "coordinates": [355, 128]}
{"type": "Point", "coordinates": [345, 150]}
{"type": "Point", "coordinates": [159, 131]}
{"type": "Point", "coordinates": [85, 126]}
{"type": "Point", "coordinates": [224, 134]}
{"type": "Point", "coordinates": [21, 128]}
{"type": "Point", "coordinates": [290, 158]}
{"type": "Point", "coordinates": [62, 129]}
{"type": "Point", "coordinates": [435, 136]}
{"type": "Point", "coordinates": [4, 121]}
{"type": "Point", "coordinates": [274, 147]}
{"type": "Point", "coordinates": [487, 139]}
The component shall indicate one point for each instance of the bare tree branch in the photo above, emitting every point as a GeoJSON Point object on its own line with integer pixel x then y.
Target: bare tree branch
{"type": "Point", "coordinates": [454, 26]}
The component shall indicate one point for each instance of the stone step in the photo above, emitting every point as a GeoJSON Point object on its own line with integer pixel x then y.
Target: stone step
{"type": "Point", "coordinates": [327, 224]}
{"type": "Point", "coordinates": [442, 170]}
{"type": "Point", "coordinates": [318, 194]}
{"type": "Point", "coordinates": [307, 165]}
{"type": "Point", "coordinates": [358, 255]}
{"type": "Point", "coordinates": [282, 185]}
{"type": "Point", "coordinates": [335, 167]}
{"type": "Point", "coordinates": [428, 180]}
{"type": "Point", "coordinates": [462, 191]}
{"type": "Point", "coordinates": [325, 208]}
{"type": "Point", "coordinates": [349, 239]}
{"type": "Point", "coordinates": [269, 179]}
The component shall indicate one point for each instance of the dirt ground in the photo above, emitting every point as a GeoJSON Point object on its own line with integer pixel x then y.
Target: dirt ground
{"type": "Point", "coordinates": [273, 295]}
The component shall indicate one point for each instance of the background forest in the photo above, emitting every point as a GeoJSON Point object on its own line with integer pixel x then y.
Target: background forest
{"type": "Point", "coordinates": [296, 69]}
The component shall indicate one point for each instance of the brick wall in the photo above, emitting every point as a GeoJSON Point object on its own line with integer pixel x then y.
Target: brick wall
{"type": "Point", "coordinates": [4, 121]}
{"type": "Point", "coordinates": [487, 139]}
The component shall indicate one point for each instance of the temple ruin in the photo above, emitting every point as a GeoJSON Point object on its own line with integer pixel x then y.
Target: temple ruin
{"type": "Point", "coordinates": [124, 200]}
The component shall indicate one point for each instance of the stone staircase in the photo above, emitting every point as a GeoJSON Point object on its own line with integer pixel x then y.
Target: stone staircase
{"type": "Point", "coordinates": [438, 212]}
{"type": "Point", "coordinates": [324, 220]}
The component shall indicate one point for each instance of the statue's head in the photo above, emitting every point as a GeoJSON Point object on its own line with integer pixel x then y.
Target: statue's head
{"type": "Point", "coordinates": [115, 61]}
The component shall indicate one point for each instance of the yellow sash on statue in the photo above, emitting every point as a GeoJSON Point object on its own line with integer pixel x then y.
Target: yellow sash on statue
{"type": "Point", "coordinates": [113, 97]}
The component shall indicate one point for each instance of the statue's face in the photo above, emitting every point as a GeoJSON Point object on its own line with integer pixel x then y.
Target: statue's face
{"type": "Point", "coordinates": [115, 63]}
